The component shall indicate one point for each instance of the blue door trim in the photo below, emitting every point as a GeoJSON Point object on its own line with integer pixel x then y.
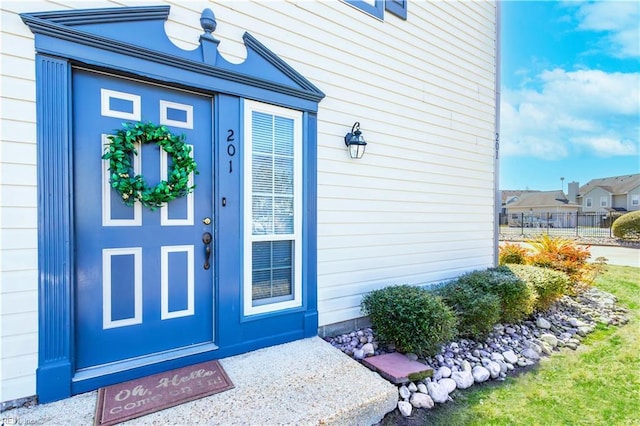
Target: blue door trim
{"type": "Point", "coordinates": [107, 39]}
{"type": "Point", "coordinates": [310, 221]}
{"type": "Point", "coordinates": [55, 238]}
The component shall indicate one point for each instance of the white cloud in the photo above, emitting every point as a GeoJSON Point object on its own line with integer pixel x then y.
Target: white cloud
{"type": "Point", "coordinates": [619, 19]}
{"type": "Point", "coordinates": [598, 91]}
{"type": "Point", "coordinates": [573, 112]}
{"type": "Point", "coordinates": [608, 146]}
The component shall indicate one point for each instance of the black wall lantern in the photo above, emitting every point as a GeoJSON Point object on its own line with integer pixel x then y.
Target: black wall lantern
{"type": "Point", "coordinates": [355, 142]}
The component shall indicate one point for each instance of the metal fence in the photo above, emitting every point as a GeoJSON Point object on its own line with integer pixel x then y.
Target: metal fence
{"type": "Point", "coordinates": [595, 225]}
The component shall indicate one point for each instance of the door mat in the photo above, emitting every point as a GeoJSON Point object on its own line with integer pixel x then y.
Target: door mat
{"type": "Point", "coordinates": [135, 398]}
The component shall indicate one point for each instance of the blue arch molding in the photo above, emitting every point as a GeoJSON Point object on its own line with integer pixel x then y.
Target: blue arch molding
{"type": "Point", "coordinates": [109, 39]}
{"type": "Point", "coordinates": [103, 37]}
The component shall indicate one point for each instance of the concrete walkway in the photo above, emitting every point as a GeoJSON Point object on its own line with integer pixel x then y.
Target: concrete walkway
{"type": "Point", "coordinates": [623, 256]}
{"type": "Point", "coordinates": [615, 255]}
{"type": "Point", "coordinates": [307, 382]}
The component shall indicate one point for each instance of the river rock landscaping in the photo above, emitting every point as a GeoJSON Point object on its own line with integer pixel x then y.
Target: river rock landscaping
{"type": "Point", "coordinates": [509, 348]}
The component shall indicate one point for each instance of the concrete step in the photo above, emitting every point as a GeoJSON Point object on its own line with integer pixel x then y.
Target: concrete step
{"type": "Point", "coordinates": [306, 382]}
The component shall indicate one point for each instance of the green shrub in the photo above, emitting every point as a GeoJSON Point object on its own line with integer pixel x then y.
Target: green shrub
{"type": "Point", "coordinates": [511, 253]}
{"type": "Point", "coordinates": [477, 311]}
{"type": "Point", "coordinates": [411, 318]}
{"type": "Point", "coordinates": [627, 226]}
{"type": "Point", "coordinates": [549, 285]}
{"type": "Point", "coordinates": [517, 299]}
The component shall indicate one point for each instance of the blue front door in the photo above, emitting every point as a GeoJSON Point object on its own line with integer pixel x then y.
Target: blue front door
{"type": "Point", "coordinates": [143, 289]}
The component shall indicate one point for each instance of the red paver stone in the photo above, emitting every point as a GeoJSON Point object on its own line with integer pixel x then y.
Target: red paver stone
{"type": "Point", "coordinates": [395, 366]}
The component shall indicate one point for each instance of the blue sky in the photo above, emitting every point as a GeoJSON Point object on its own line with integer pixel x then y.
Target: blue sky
{"type": "Point", "coordinates": [570, 92]}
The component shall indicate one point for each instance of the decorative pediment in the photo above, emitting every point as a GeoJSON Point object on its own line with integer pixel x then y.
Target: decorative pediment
{"type": "Point", "coordinates": [138, 33]}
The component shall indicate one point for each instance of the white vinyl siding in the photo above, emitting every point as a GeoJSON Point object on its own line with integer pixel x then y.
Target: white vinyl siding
{"type": "Point", "coordinates": [18, 218]}
{"type": "Point", "coordinates": [597, 199]}
{"type": "Point", "coordinates": [273, 208]}
{"type": "Point", "coordinates": [423, 91]}
{"type": "Point", "coordinates": [633, 199]}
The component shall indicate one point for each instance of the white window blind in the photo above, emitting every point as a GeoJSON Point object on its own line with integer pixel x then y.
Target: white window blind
{"type": "Point", "coordinates": [273, 217]}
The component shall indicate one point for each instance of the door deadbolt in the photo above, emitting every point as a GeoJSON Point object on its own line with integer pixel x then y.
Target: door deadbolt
{"type": "Point", "coordinates": [206, 221]}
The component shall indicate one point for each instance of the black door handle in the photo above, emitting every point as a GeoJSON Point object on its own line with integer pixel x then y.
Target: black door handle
{"type": "Point", "coordinates": [206, 239]}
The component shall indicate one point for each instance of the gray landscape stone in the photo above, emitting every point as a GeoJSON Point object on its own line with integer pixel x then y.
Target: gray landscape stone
{"type": "Point", "coordinates": [404, 392]}
{"type": "Point", "coordinates": [421, 400]}
{"type": "Point", "coordinates": [448, 384]}
{"type": "Point", "coordinates": [494, 369]}
{"type": "Point", "coordinates": [550, 339]}
{"type": "Point", "coordinates": [444, 371]}
{"type": "Point", "coordinates": [546, 348]}
{"type": "Point", "coordinates": [480, 374]}
{"type": "Point", "coordinates": [405, 408]}
{"type": "Point", "coordinates": [463, 379]}
{"type": "Point", "coordinates": [543, 323]}
{"type": "Point", "coordinates": [530, 354]}
{"type": "Point", "coordinates": [495, 356]}
{"type": "Point", "coordinates": [510, 357]}
{"type": "Point", "coordinates": [367, 348]}
{"type": "Point", "coordinates": [437, 393]}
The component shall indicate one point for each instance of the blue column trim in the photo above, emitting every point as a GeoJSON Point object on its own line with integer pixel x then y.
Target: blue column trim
{"type": "Point", "coordinates": [310, 231]}
{"type": "Point", "coordinates": [55, 243]}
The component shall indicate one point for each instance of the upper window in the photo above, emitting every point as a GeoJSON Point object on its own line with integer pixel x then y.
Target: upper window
{"type": "Point", "coordinates": [273, 211]}
{"type": "Point", "coordinates": [372, 7]}
{"type": "Point", "coordinates": [603, 201]}
{"type": "Point", "coordinates": [377, 7]}
{"type": "Point", "coordinates": [588, 202]}
{"type": "Point", "coordinates": [635, 199]}
{"type": "Point", "coordinates": [397, 7]}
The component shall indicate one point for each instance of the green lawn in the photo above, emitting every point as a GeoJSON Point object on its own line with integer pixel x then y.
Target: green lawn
{"type": "Point", "coordinates": [599, 384]}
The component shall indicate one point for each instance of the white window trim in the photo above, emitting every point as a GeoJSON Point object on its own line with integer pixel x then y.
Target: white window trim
{"type": "Point", "coordinates": [249, 238]}
{"type": "Point", "coordinates": [588, 202]}
{"type": "Point", "coordinates": [635, 199]}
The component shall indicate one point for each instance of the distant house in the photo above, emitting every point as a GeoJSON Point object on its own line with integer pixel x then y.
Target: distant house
{"type": "Point", "coordinates": [542, 209]}
{"type": "Point", "coordinates": [594, 202]}
{"type": "Point", "coordinates": [510, 196]}
{"type": "Point", "coordinates": [611, 194]}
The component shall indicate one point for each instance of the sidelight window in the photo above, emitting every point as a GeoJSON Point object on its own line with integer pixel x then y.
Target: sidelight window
{"type": "Point", "coordinates": [273, 200]}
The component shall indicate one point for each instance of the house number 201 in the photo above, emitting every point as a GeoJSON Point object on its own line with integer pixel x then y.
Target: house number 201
{"type": "Point", "coordinates": [231, 148]}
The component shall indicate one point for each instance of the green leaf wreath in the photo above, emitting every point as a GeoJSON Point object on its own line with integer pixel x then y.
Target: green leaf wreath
{"type": "Point", "coordinates": [132, 187]}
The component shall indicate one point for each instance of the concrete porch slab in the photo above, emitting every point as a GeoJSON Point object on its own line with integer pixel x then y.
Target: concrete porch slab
{"type": "Point", "coordinates": [304, 382]}
{"type": "Point", "coordinates": [396, 367]}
